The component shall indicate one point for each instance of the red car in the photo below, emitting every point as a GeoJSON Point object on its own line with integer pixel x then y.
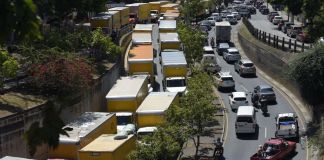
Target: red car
{"type": "Point", "coordinates": [303, 37]}
{"type": "Point", "coordinates": [275, 149]}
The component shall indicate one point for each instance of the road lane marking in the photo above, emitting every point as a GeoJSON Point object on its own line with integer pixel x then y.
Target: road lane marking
{"type": "Point", "coordinates": [265, 132]}
{"type": "Point", "coordinates": [246, 90]}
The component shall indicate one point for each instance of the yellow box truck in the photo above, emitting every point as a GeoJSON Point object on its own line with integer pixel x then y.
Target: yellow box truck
{"type": "Point", "coordinates": [169, 6]}
{"type": "Point", "coordinates": [82, 131]}
{"type": "Point", "coordinates": [124, 14]}
{"type": "Point", "coordinates": [146, 28]}
{"type": "Point", "coordinates": [108, 147]}
{"type": "Point", "coordinates": [140, 60]}
{"type": "Point", "coordinates": [102, 21]}
{"type": "Point", "coordinates": [151, 111]}
{"type": "Point", "coordinates": [156, 9]}
{"type": "Point", "coordinates": [174, 69]}
{"type": "Point", "coordinates": [139, 12]}
{"type": "Point", "coordinates": [170, 41]}
{"type": "Point", "coordinates": [115, 19]}
{"type": "Point", "coordinates": [166, 26]}
{"type": "Point", "coordinates": [127, 94]}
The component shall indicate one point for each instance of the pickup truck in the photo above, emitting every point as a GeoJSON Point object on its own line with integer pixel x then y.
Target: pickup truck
{"type": "Point", "coordinates": [287, 126]}
{"type": "Point", "coordinates": [275, 149]}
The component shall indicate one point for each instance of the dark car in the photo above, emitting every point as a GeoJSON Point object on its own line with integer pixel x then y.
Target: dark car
{"type": "Point", "coordinates": [265, 92]}
{"type": "Point", "coordinates": [221, 47]}
{"type": "Point", "coordinates": [262, 7]}
{"type": "Point", "coordinates": [285, 26]}
{"type": "Point", "coordinates": [303, 37]}
{"type": "Point", "coordinates": [206, 23]}
{"type": "Point", "coordinates": [264, 11]}
{"type": "Point", "coordinates": [272, 14]}
{"type": "Point", "coordinates": [252, 10]}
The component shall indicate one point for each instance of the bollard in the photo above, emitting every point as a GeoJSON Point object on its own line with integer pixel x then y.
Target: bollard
{"type": "Point", "coordinates": [303, 45]}
{"type": "Point", "coordinates": [283, 43]}
{"type": "Point", "coordinates": [259, 34]}
{"type": "Point", "coordinates": [274, 40]}
{"type": "Point", "coordinates": [269, 37]}
{"type": "Point", "coordinates": [295, 46]}
{"type": "Point", "coordinates": [289, 44]}
{"type": "Point", "coordinates": [277, 44]}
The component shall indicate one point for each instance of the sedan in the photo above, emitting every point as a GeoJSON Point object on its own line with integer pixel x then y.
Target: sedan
{"type": "Point", "coordinates": [265, 92]}
{"type": "Point", "coordinates": [245, 66]}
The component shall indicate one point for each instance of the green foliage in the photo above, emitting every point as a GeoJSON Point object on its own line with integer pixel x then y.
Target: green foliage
{"type": "Point", "coordinates": [47, 132]}
{"type": "Point", "coordinates": [294, 6]}
{"type": "Point", "coordinates": [190, 9]}
{"type": "Point", "coordinates": [8, 66]}
{"type": "Point", "coordinates": [314, 12]}
{"type": "Point", "coordinates": [308, 71]}
{"type": "Point", "coordinates": [193, 41]}
{"type": "Point", "coordinates": [18, 20]}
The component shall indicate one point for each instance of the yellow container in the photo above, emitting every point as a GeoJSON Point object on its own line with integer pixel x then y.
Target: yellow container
{"type": "Point", "coordinates": [157, 5]}
{"type": "Point", "coordinates": [124, 14]}
{"type": "Point", "coordinates": [170, 6]}
{"type": "Point", "coordinates": [106, 147]}
{"type": "Point", "coordinates": [82, 131]}
{"type": "Point", "coordinates": [115, 19]}
{"type": "Point", "coordinates": [151, 111]}
{"type": "Point", "coordinates": [127, 94]}
{"type": "Point", "coordinates": [101, 22]}
{"type": "Point", "coordinates": [144, 11]}
{"type": "Point", "coordinates": [175, 71]}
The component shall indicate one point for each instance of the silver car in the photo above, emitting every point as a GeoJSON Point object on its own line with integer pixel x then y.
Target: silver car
{"type": "Point", "coordinates": [245, 66]}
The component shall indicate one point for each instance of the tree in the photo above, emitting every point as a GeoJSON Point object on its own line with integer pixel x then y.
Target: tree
{"type": "Point", "coordinates": [294, 6]}
{"type": "Point", "coordinates": [18, 20]}
{"type": "Point", "coordinates": [59, 75]}
{"type": "Point", "coordinates": [308, 71]}
{"type": "Point", "coordinates": [190, 9]}
{"type": "Point", "coordinates": [314, 12]}
{"type": "Point", "coordinates": [193, 41]}
{"type": "Point", "coordinates": [8, 66]}
{"type": "Point", "coordinates": [198, 102]}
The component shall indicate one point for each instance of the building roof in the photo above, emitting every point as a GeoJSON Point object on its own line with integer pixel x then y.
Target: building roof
{"type": "Point", "coordinates": [245, 110]}
{"type": "Point", "coordinates": [117, 8]}
{"type": "Point", "coordinates": [169, 37]}
{"type": "Point", "coordinates": [168, 24]}
{"type": "Point", "coordinates": [15, 102]}
{"type": "Point", "coordinates": [127, 87]}
{"type": "Point", "coordinates": [105, 143]}
{"type": "Point", "coordinates": [173, 58]}
{"type": "Point", "coordinates": [141, 38]}
{"type": "Point", "coordinates": [156, 103]}
{"type": "Point", "coordinates": [141, 53]}
{"type": "Point", "coordinates": [143, 27]}
{"type": "Point", "coordinates": [83, 125]}
{"type": "Point", "coordinates": [223, 23]}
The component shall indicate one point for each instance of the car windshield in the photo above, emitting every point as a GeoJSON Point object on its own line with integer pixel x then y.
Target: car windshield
{"type": "Point", "coordinates": [264, 90]}
{"type": "Point", "coordinates": [223, 45]}
{"type": "Point", "coordinates": [176, 83]}
{"type": "Point", "coordinates": [248, 64]}
{"type": "Point", "coordinates": [153, 12]}
{"type": "Point", "coordinates": [285, 119]}
{"type": "Point", "coordinates": [124, 120]}
{"type": "Point", "coordinates": [240, 99]}
{"type": "Point", "coordinates": [234, 52]}
{"type": "Point", "coordinates": [244, 119]}
{"type": "Point", "coordinates": [227, 78]}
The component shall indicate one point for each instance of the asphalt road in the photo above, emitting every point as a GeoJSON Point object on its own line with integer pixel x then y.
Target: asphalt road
{"type": "Point", "coordinates": [242, 148]}
{"type": "Point", "coordinates": [157, 66]}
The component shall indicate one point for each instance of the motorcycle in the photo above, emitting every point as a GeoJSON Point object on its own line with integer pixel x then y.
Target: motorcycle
{"type": "Point", "coordinates": [263, 106]}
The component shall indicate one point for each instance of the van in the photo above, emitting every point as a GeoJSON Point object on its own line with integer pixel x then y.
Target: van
{"type": "Point", "coordinates": [245, 120]}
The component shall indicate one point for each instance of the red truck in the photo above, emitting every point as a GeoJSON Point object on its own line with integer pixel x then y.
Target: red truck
{"type": "Point", "coordinates": [275, 149]}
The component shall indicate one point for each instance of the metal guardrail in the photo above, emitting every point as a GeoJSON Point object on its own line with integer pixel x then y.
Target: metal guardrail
{"type": "Point", "coordinates": [285, 44]}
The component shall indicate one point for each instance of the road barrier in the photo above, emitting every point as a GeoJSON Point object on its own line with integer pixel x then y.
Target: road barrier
{"type": "Point", "coordinates": [285, 44]}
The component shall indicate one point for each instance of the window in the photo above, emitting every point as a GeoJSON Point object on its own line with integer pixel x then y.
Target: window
{"type": "Point", "coordinates": [244, 119]}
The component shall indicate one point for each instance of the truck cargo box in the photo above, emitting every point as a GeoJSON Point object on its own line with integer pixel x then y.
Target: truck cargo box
{"type": "Point", "coordinates": [148, 28]}
{"type": "Point", "coordinates": [168, 26]}
{"type": "Point", "coordinates": [142, 10]}
{"type": "Point", "coordinates": [124, 14]}
{"type": "Point", "coordinates": [169, 6]}
{"type": "Point", "coordinates": [170, 41]}
{"type": "Point", "coordinates": [174, 64]}
{"type": "Point", "coordinates": [115, 19]}
{"type": "Point", "coordinates": [102, 21]}
{"type": "Point", "coordinates": [223, 31]}
{"type": "Point", "coordinates": [156, 5]}
{"type": "Point", "coordinates": [140, 60]}
{"type": "Point", "coordinates": [141, 38]}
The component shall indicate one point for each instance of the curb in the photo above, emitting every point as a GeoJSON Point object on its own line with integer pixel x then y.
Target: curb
{"type": "Point", "coordinates": [296, 104]}
{"type": "Point", "coordinates": [225, 121]}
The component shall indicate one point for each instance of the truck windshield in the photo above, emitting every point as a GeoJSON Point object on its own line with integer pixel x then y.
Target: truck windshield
{"type": "Point", "coordinates": [132, 16]}
{"type": "Point", "coordinates": [176, 83]}
{"type": "Point", "coordinates": [124, 120]}
{"type": "Point", "coordinates": [285, 119]}
{"type": "Point", "coordinates": [153, 12]}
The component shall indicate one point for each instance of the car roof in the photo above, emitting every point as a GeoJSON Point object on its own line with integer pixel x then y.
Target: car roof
{"type": "Point", "coordinates": [225, 74]}
{"type": "Point", "coordinates": [265, 86]}
{"type": "Point", "coordinates": [223, 45]}
{"type": "Point", "coordinates": [239, 94]}
{"type": "Point", "coordinates": [208, 48]}
{"type": "Point", "coordinates": [246, 61]}
{"type": "Point", "coordinates": [286, 115]}
{"type": "Point", "coordinates": [245, 110]}
{"type": "Point", "coordinates": [232, 49]}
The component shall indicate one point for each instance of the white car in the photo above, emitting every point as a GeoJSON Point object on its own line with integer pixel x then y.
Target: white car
{"type": "Point", "coordinates": [225, 80]}
{"type": "Point", "coordinates": [237, 99]}
{"type": "Point", "coordinates": [231, 55]}
{"type": "Point", "coordinates": [237, 15]}
{"type": "Point", "coordinates": [276, 20]}
{"type": "Point", "coordinates": [231, 19]}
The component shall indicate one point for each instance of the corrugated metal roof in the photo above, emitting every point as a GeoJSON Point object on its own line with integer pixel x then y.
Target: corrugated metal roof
{"type": "Point", "coordinates": [105, 143]}
{"type": "Point", "coordinates": [156, 102]}
{"type": "Point", "coordinates": [141, 38]}
{"type": "Point", "coordinates": [173, 58]}
{"type": "Point", "coordinates": [169, 37]}
{"type": "Point", "coordinates": [83, 125]}
{"type": "Point", "coordinates": [127, 87]}
{"type": "Point", "coordinates": [168, 24]}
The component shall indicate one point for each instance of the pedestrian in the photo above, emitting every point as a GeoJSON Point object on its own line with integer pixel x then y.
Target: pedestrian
{"type": "Point", "coordinates": [212, 42]}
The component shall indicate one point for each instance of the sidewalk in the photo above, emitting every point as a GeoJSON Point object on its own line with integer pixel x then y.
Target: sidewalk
{"type": "Point", "coordinates": [212, 132]}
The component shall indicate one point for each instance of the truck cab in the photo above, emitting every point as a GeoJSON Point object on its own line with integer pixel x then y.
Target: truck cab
{"type": "Point", "coordinates": [133, 18]}
{"type": "Point", "coordinates": [124, 119]}
{"type": "Point", "coordinates": [176, 84]}
{"type": "Point", "coordinates": [154, 15]}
